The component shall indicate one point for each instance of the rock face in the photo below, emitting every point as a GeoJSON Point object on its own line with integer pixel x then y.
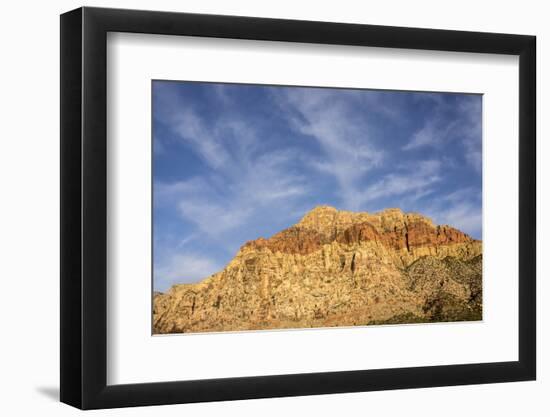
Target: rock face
{"type": "Point", "coordinates": [335, 268]}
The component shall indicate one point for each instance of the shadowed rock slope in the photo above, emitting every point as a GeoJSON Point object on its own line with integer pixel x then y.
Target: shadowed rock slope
{"type": "Point", "coordinates": [335, 268]}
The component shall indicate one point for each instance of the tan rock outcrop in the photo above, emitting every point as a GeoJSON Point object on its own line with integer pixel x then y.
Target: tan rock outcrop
{"type": "Point", "coordinates": [335, 268]}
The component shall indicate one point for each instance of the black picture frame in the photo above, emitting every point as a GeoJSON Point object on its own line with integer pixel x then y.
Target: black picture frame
{"type": "Point", "coordinates": [84, 207]}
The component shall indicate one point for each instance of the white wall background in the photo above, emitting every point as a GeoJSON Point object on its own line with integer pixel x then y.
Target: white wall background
{"type": "Point", "coordinates": [29, 226]}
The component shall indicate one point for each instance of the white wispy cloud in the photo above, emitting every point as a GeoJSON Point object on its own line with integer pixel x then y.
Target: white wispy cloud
{"type": "Point", "coordinates": [166, 193]}
{"type": "Point", "coordinates": [184, 267]}
{"type": "Point", "coordinates": [460, 208]}
{"type": "Point", "coordinates": [188, 125]}
{"type": "Point", "coordinates": [414, 180]}
{"type": "Point", "coordinates": [187, 239]}
{"type": "Point", "coordinates": [465, 216]}
{"type": "Point", "coordinates": [211, 217]}
{"type": "Point", "coordinates": [440, 128]}
{"type": "Point", "coordinates": [343, 136]}
{"type": "Point", "coordinates": [433, 133]}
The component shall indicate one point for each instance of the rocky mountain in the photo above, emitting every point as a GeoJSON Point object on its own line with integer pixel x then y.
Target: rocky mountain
{"type": "Point", "coordinates": [335, 268]}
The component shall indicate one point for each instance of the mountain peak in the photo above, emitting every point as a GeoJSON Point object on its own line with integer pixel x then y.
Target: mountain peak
{"type": "Point", "coordinates": [322, 209]}
{"type": "Point", "coordinates": [319, 215]}
{"type": "Point", "coordinates": [410, 234]}
{"type": "Point", "coordinates": [335, 268]}
{"type": "Point", "coordinates": [329, 220]}
{"type": "Point", "coordinates": [330, 211]}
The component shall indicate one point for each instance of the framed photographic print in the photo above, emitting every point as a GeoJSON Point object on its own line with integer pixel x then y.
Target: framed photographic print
{"type": "Point", "coordinates": [300, 207]}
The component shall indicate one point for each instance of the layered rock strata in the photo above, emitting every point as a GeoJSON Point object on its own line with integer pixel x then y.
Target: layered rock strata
{"type": "Point", "coordinates": [335, 268]}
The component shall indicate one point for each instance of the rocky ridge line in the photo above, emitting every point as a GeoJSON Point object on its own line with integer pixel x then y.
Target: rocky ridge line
{"type": "Point", "coordinates": [335, 268]}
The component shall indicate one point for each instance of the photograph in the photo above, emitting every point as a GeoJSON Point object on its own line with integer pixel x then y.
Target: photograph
{"type": "Point", "coordinates": [291, 207]}
{"type": "Point", "coordinates": [268, 209]}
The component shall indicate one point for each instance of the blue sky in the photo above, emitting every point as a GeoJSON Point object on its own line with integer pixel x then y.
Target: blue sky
{"type": "Point", "coordinates": [235, 162]}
